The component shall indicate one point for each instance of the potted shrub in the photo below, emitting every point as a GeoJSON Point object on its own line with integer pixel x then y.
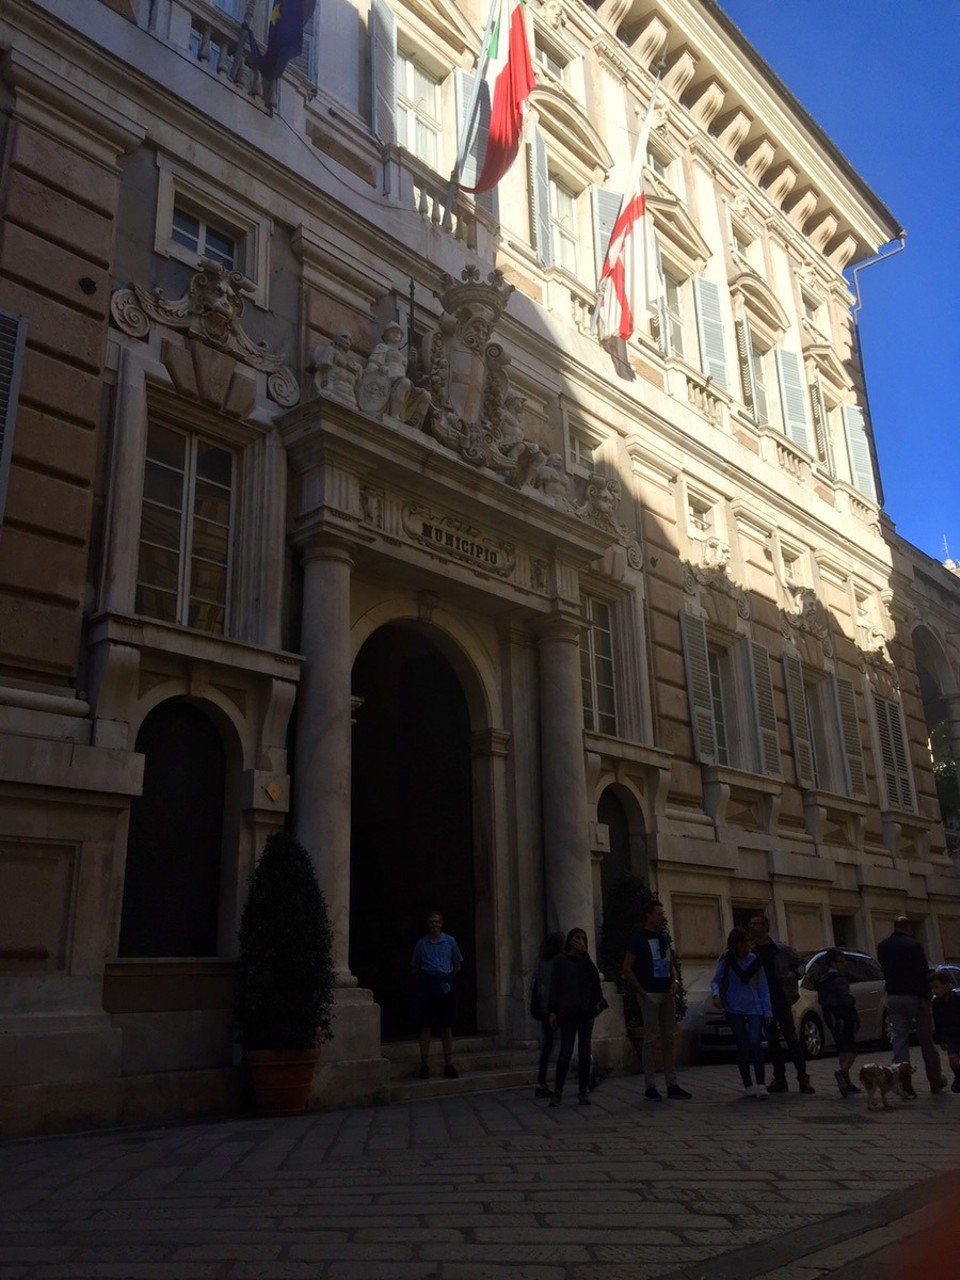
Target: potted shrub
{"type": "Point", "coordinates": [285, 988]}
{"type": "Point", "coordinates": [623, 914]}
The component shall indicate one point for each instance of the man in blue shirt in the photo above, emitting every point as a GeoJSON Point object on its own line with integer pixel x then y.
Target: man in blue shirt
{"type": "Point", "coordinates": [648, 969]}
{"type": "Point", "coordinates": [435, 962]}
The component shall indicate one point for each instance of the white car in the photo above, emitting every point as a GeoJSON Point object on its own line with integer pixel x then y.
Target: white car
{"type": "Point", "coordinates": [866, 985]}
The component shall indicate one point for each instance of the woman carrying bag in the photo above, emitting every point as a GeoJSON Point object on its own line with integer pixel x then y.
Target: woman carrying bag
{"type": "Point", "coordinates": [740, 988]}
{"type": "Point", "coordinates": [575, 1000]}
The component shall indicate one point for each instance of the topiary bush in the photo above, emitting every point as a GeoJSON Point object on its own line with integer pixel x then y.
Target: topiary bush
{"type": "Point", "coordinates": [285, 989]}
{"type": "Point", "coordinates": [624, 911]}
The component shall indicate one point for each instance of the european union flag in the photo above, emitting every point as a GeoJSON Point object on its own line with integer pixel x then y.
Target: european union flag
{"type": "Point", "coordinates": [284, 37]}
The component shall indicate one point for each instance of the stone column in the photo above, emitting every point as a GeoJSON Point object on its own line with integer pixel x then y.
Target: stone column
{"type": "Point", "coordinates": [323, 748]}
{"type": "Point", "coordinates": [567, 869]}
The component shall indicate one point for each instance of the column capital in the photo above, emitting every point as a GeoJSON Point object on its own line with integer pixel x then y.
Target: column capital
{"type": "Point", "coordinates": [564, 628]}
{"type": "Point", "coordinates": [324, 546]}
{"type": "Point", "coordinates": [490, 742]}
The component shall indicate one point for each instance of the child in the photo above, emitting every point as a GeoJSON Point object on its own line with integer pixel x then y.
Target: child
{"type": "Point", "coordinates": [946, 1021]}
{"type": "Point", "coordinates": [840, 1015]}
{"type": "Point", "coordinates": [740, 988]}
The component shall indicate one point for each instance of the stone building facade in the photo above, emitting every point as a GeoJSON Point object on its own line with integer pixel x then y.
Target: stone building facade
{"type": "Point", "coordinates": [323, 505]}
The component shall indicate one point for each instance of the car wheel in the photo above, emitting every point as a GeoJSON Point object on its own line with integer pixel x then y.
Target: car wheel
{"type": "Point", "coordinates": [811, 1036]}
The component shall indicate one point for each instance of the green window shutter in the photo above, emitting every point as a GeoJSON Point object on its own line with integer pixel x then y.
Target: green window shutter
{"type": "Point", "coordinates": [893, 755]}
{"type": "Point", "coordinates": [745, 361]}
{"type": "Point", "coordinates": [464, 82]}
{"type": "Point", "coordinates": [693, 633]}
{"type": "Point", "coordinates": [799, 722]}
{"type": "Point", "coordinates": [383, 62]}
{"type": "Point", "coordinates": [765, 709]}
{"type": "Point", "coordinates": [606, 206]}
{"type": "Point", "coordinates": [539, 179]}
{"type": "Point", "coordinates": [821, 426]}
{"type": "Point", "coordinates": [13, 336]}
{"type": "Point", "coordinates": [858, 451]}
{"type": "Point", "coordinates": [713, 360]}
{"type": "Point", "coordinates": [846, 698]}
{"type": "Point", "coordinates": [793, 397]}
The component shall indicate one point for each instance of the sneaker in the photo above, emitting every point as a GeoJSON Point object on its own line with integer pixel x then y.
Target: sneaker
{"type": "Point", "coordinates": [853, 1088]}
{"type": "Point", "coordinates": [424, 1072]}
{"type": "Point", "coordinates": [451, 1072]}
{"type": "Point", "coordinates": [584, 1098]}
{"type": "Point", "coordinates": [955, 1087]}
{"type": "Point", "coordinates": [761, 1091]}
{"type": "Point", "coordinates": [804, 1086]}
{"type": "Point", "coordinates": [556, 1098]}
{"type": "Point", "coordinates": [779, 1085]}
{"type": "Point", "coordinates": [843, 1084]}
{"type": "Point", "coordinates": [653, 1094]}
{"type": "Point", "coordinates": [541, 1091]}
{"type": "Point", "coordinates": [749, 1090]}
{"type": "Point", "coordinates": [674, 1091]}
{"type": "Point", "coordinates": [938, 1088]}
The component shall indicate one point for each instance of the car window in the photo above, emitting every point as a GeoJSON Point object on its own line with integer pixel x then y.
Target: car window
{"type": "Point", "coordinates": [875, 972]}
{"type": "Point", "coordinates": [814, 972]}
{"type": "Point", "coordinates": [859, 970]}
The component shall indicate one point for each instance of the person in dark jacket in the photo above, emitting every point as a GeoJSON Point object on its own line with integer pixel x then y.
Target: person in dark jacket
{"type": "Point", "coordinates": [904, 964]}
{"type": "Point", "coordinates": [550, 948]}
{"type": "Point", "coordinates": [649, 971]}
{"type": "Point", "coordinates": [574, 996]}
{"type": "Point", "coordinates": [840, 1015]}
{"type": "Point", "coordinates": [946, 1021]}
{"type": "Point", "coordinates": [783, 967]}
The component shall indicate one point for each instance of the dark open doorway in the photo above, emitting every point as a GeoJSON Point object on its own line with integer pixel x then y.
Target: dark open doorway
{"type": "Point", "coordinates": [412, 840]}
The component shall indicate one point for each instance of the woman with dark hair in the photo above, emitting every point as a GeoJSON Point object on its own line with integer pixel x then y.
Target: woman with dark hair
{"type": "Point", "coordinates": [740, 988]}
{"type": "Point", "coordinates": [550, 948]}
{"type": "Point", "coordinates": [575, 994]}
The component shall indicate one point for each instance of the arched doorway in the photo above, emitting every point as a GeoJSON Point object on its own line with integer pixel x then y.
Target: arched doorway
{"type": "Point", "coordinates": [171, 884]}
{"type": "Point", "coordinates": [412, 829]}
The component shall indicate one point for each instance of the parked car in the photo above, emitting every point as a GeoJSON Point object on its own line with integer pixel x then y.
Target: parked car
{"type": "Point", "coordinates": [866, 985]}
{"type": "Point", "coordinates": [952, 969]}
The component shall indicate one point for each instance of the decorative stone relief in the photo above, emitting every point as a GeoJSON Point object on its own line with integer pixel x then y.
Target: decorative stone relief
{"type": "Point", "coordinates": [459, 540]}
{"type": "Point", "coordinates": [336, 370]}
{"type": "Point", "coordinates": [553, 14]}
{"type": "Point", "coordinates": [210, 311]}
{"type": "Point", "coordinates": [599, 509]}
{"type": "Point", "coordinates": [716, 580]}
{"type": "Point", "coordinates": [805, 614]}
{"type": "Point", "coordinates": [384, 386]}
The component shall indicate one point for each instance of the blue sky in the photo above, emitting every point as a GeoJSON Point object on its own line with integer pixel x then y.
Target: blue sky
{"type": "Point", "coordinates": [881, 79]}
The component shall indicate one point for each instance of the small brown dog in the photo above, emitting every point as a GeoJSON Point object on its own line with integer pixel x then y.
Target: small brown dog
{"type": "Point", "coordinates": [879, 1080]}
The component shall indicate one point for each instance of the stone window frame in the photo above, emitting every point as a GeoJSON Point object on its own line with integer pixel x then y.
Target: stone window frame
{"type": "Point", "coordinates": [588, 664]}
{"type": "Point", "coordinates": [251, 229]}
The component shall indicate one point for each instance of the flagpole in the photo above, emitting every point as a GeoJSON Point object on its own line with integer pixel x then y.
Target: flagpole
{"type": "Point", "coordinates": [468, 122]}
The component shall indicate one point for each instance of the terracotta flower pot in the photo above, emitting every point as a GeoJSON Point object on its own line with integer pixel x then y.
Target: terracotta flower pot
{"type": "Point", "coordinates": [282, 1079]}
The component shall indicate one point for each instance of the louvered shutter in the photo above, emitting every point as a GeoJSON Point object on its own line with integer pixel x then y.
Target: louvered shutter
{"type": "Point", "coordinates": [383, 58]}
{"type": "Point", "coordinates": [465, 83]}
{"type": "Point", "coordinates": [893, 755]}
{"type": "Point", "coordinates": [664, 338]}
{"type": "Point", "coordinates": [765, 709]}
{"type": "Point", "coordinates": [693, 633]}
{"type": "Point", "coordinates": [306, 61]}
{"type": "Point", "coordinates": [606, 206]}
{"type": "Point", "coordinates": [539, 178]}
{"type": "Point", "coordinates": [13, 335]}
{"type": "Point", "coordinates": [793, 400]}
{"type": "Point", "coordinates": [713, 359]}
{"type": "Point", "coordinates": [799, 722]}
{"type": "Point", "coordinates": [821, 426]}
{"type": "Point", "coordinates": [846, 699]}
{"type": "Point", "coordinates": [745, 360]}
{"type": "Point", "coordinates": [858, 451]}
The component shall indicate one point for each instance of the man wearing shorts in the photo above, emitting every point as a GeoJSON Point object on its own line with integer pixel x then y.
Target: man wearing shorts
{"type": "Point", "coordinates": [840, 1015]}
{"type": "Point", "coordinates": [435, 963]}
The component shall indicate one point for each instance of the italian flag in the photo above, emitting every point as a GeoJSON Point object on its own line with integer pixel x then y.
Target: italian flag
{"type": "Point", "coordinates": [506, 73]}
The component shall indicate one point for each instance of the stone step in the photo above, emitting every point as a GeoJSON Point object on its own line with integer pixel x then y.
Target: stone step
{"type": "Point", "coordinates": [411, 1090]}
{"type": "Point", "coordinates": [471, 1056]}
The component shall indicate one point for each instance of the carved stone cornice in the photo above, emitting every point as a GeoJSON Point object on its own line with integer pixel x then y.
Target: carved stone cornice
{"type": "Point", "coordinates": [714, 578]}
{"type": "Point", "coordinates": [209, 312]}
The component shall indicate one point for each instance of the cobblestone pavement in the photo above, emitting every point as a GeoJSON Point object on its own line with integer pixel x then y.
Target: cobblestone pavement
{"type": "Point", "coordinates": [491, 1186]}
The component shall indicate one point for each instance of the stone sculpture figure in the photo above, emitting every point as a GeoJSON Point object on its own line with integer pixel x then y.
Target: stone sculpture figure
{"type": "Point", "coordinates": [384, 385]}
{"type": "Point", "coordinates": [337, 369]}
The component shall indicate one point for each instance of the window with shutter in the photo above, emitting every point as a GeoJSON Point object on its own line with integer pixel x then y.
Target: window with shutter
{"type": "Point", "coordinates": [850, 732]}
{"type": "Point", "coordinates": [606, 206]}
{"type": "Point", "coordinates": [713, 359]}
{"type": "Point", "coordinates": [383, 42]}
{"type": "Point", "coordinates": [858, 451]}
{"type": "Point", "coordinates": [893, 755]}
{"type": "Point", "coordinates": [793, 397]}
{"type": "Point", "coordinates": [745, 360]}
{"type": "Point", "coordinates": [13, 336]}
{"type": "Point", "coordinates": [693, 633]}
{"type": "Point", "coordinates": [597, 668]}
{"type": "Point", "coordinates": [765, 709]}
{"type": "Point", "coordinates": [803, 749]}
{"type": "Point", "coordinates": [821, 426]}
{"type": "Point", "coordinates": [539, 181]}
{"type": "Point", "coordinates": [465, 85]}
